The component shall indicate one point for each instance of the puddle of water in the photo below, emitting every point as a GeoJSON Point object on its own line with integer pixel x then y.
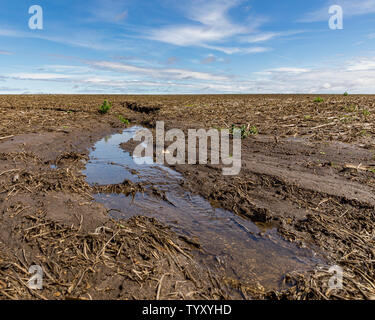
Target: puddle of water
{"type": "Point", "coordinates": [229, 242]}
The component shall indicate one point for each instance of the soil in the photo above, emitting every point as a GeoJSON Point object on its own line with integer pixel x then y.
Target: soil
{"type": "Point", "coordinates": [309, 171]}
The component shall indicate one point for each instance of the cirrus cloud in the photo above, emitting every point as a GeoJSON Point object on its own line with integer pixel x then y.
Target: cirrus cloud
{"type": "Point", "coordinates": [210, 25]}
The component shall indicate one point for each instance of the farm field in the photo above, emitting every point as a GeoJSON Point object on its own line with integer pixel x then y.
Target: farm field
{"type": "Point", "coordinates": [303, 201]}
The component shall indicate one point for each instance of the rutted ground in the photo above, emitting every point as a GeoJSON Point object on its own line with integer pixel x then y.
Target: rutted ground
{"type": "Point", "coordinates": [48, 219]}
{"type": "Point", "coordinates": [309, 172]}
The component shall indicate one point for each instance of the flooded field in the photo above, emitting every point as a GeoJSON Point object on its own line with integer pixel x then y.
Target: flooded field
{"type": "Point", "coordinates": [73, 201]}
{"type": "Point", "coordinates": [231, 244]}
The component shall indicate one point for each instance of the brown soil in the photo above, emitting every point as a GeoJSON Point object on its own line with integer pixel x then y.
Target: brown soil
{"type": "Point", "coordinates": [309, 171]}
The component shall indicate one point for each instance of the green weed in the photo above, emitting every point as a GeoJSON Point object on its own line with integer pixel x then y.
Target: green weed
{"type": "Point", "coordinates": [105, 107]}
{"type": "Point", "coordinates": [124, 120]}
{"type": "Point", "coordinates": [319, 99]}
{"type": "Point", "coordinates": [366, 112]}
{"type": "Point", "coordinates": [245, 130]}
{"type": "Point", "coordinates": [351, 108]}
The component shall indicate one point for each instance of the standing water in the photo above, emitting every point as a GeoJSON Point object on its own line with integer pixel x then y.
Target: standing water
{"type": "Point", "coordinates": [236, 246]}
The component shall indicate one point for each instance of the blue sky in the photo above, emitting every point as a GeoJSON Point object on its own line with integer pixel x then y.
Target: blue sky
{"type": "Point", "coordinates": [196, 46]}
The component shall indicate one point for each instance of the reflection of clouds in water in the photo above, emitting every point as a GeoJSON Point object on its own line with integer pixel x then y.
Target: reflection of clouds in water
{"type": "Point", "coordinates": [235, 241]}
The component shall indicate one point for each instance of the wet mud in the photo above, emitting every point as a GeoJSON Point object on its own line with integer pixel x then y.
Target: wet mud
{"type": "Point", "coordinates": [303, 201]}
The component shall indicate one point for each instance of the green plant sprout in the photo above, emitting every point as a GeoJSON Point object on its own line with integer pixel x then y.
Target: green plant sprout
{"type": "Point", "coordinates": [105, 107]}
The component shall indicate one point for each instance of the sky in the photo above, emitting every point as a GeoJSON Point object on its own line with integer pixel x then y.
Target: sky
{"type": "Point", "coordinates": [186, 47]}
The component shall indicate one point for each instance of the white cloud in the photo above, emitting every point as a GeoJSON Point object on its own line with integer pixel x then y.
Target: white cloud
{"type": "Point", "coordinates": [210, 25]}
{"type": "Point", "coordinates": [82, 39]}
{"type": "Point", "coordinates": [241, 50]}
{"type": "Point", "coordinates": [266, 36]}
{"type": "Point", "coordinates": [355, 76]}
{"type": "Point", "coordinates": [38, 76]}
{"type": "Point", "coordinates": [261, 37]}
{"type": "Point", "coordinates": [11, 90]}
{"type": "Point", "coordinates": [57, 68]}
{"type": "Point", "coordinates": [165, 73]}
{"type": "Point", "coordinates": [5, 52]}
{"type": "Point", "coordinates": [190, 35]}
{"type": "Point", "coordinates": [363, 64]}
{"type": "Point", "coordinates": [109, 11]}
{"type": "Point", "coordinates": [289, 70]}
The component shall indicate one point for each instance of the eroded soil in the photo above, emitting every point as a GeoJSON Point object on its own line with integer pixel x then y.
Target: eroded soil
{"type": "Point", "coordinates": [309, 172]}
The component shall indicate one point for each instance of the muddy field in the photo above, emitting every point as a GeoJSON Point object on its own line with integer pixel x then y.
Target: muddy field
{"type": "Point", "coordinates": [304, 198]}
